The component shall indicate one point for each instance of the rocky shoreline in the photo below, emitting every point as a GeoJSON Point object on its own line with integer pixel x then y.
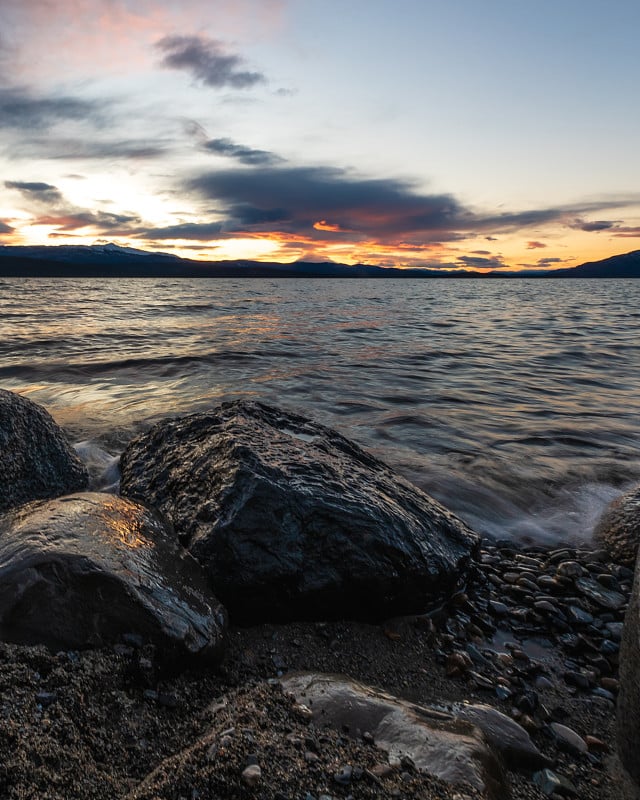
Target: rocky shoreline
{"type": "Point", "coordinates": [385, 649]}
{"type": "Point", "coordinates": [110, 723]}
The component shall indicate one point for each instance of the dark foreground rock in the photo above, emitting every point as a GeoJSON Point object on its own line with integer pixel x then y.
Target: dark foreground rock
{"type": "Point", "coordinates": [434, 742]}
{"type": "Point", "coordinates": [629, 701]}
{"type": "Point", "coordinates": [37, 461]}
{"type": "Point", "coordinates": [293, 521]}
{"type": "Point", "coordinates": [84, 569]}
{"type": "Point", "coordinates": [618, 531]}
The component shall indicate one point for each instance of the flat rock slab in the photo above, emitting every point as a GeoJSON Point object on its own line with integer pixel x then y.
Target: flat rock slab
{"type": "Point", "coordinates": [84, 569]}
{"type": "Point", "coordinates": [618, 530]}
{"type": "Point", "coordinates": [293, 521]}
{"type": "Point", "coordinates": [37, 461]}
{"type": "Point", "coordinates": [437, 743]}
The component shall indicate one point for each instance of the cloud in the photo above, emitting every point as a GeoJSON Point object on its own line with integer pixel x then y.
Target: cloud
{"type": "Point", "coordinates": [476, 262]}
{"type": "Point", "coordinates": [64, 216]}
{"type": "Point", "coordinates": [88, 219]}
{"type": "Point", "coordinates": [21, 109]}
{"type": "Point", "coordinates": [545, 262]}
{"type": "Point", "coordinates": [75, 149]}
{"type": "Point", "coordinates": [624, 232]}
{"type": "Point", "coordinates": [207, 61]}
{"type": "Point", "coordinates": [199, 231]}
{"type": "Point", "coordinates": [35, 190]}
{"type": "Point", "coordinates": [535, 245]}
{"type": "Point", "coordinates": [295, 199]}
{"type": "Point", "coordinates": [4, 228]}
{"type": "Point", "coordinates": [594, 225]}
{"type": "Point", "coordinates": [242, 153]}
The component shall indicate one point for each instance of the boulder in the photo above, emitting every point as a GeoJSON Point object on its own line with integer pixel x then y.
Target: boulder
{"type": "Point", "coordinates": [37, 461]}
{"type": "Point", "coordinates": [84, 569]}
{"type": "Point", "coordinates": [628, 714]}
{"type": "Point", "coordinates": [293, 521]}
{"type": "Point", "coordinates": [618, 530]}
{"type": "Point", "coordinates": [449, 748]}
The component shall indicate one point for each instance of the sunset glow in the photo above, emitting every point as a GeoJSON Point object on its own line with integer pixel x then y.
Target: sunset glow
{"type": "Point", "coordinates": [226, 130]}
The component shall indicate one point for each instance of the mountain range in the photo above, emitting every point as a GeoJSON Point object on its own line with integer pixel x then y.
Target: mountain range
{"type": "Point", "coordinates": [111, 260]}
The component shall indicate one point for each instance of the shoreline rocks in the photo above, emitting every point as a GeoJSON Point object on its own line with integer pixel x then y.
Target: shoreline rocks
{"type": "Point", "coordinates": [293, 521]}
{"type": "Point", "coordinates": [37, 460]}
{"type": "Point", "coordinates": [85, 569]}
{"type": "Point", "coordinates": [618, 530]}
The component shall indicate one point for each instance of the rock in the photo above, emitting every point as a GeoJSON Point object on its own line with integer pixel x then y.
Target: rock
{"type": "Point", "coordinates": [293, 521]}
{"type": "Point", "coordinates": [37, 461]}
{"type": "Point", "coordinates": [504, 735]}
{"type": "Point", "coordinates": [628, 713]}
{"type": "Point", "coordinates": [85, 569]}
{"type": "Point", "coordinates": [568, 739]}
{"type": "Point", "coordinates": [439, 744]}
{"type": "Point", "coordinates": [550, 783]}
{"type": "Point", "coordinates": [618, 530]}
{"type": "Point", "coordinates": [596, 592]}
{"type": "Point", "coordinates": [252, 775]}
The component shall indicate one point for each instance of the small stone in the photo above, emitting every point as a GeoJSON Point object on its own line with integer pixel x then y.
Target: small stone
{"type": "Point", "coordinates": [606, 695]}
{"type": "Point", "coordinates": [45, 699]}
{"type": "Point", "coordinates": [550, 783]}
{"type": "Point", "coordinates": [577, 679]}
{"type": "Point", "coordinates": [596, 745]}
{"type": "Point", "coordinates": [303, 712]}
{"type": "Point", "coordinates": [497, 609]}
{"type": "Point", "coordinates": [611, 684]}
{"type": "Point", "coordinates": [609, 648]}
{"type": "Point", "coordinates": [545, 607]}
{"type": "Point", "coordinates": [168, 700]}
{"type": "Point", "coordinates": [606, 598]}
{"type": "Point", "coordinates": [458, 663]}
{"type": "Point", "coordinates": [542, 682]}
{"type": "Point", "coordinates": [580, 616]}
{"type": "Point", "coordinates": [343, 776]}
{"type": "Point", "coordinates": [252, 775]}
{"type": "Point", "coordinates": [568, 739]}
{"type": "Point", "coordinates": [570, 569]}
{"type": "Point", "coordinates": [614, 629]}
{"type": "Point", "coordinates": [311, 758]}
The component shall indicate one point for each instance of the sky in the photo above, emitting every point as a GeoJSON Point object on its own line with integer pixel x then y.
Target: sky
{"type": "Point", "coordinates": [500, 134]}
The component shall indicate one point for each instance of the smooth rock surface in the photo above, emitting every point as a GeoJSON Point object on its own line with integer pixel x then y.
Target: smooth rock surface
{"type": "Point", "coordinates": [440, 744]}
{"type": "Point", "coordinates": [37, 461]}
{"type": "Point", "coordinates": [84, 569]}
{"type": "Point", "coordinates": [628, 713]}
{"type": "Point", "coordinates": [293, 521]}
{"type": "Point", "coordinates": [504, 735]}
{"type": "Point", "coordinates": [618, 530]}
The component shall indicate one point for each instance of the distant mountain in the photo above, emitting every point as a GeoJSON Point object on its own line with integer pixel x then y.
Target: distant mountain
{"type": "Point", "coordinates": [113, 261]}
{"type": "Point", "coordinates": [622, 266]}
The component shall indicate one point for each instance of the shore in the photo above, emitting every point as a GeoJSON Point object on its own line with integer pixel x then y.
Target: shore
{"type": "Point", "coordinates": [108, 724]}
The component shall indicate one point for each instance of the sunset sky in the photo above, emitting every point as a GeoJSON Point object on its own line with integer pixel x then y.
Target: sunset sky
{"type": "Point", "coordinates": [469, 134]}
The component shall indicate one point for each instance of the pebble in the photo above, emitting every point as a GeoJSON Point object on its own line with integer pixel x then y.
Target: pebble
{"type": "Point", "coordinates": [252, 775]}
{"type": "Point", "coordinates": [568, 739]}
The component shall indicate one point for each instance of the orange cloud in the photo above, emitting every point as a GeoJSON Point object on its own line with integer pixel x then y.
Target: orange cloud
{"type": "Point", "coordinates": [323, 225]}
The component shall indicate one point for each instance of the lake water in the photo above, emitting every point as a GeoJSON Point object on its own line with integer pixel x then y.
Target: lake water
{"type": "Point", "coordinates": [515, 403]}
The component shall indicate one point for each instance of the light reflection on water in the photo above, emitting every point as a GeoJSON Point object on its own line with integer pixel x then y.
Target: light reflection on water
{"type": "Point", "coordinates": [515, 403]}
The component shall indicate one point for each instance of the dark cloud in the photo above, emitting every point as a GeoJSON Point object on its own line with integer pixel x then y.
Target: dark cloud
{"type": "Point", "coordinates": [207, 61]}
{"type": "Point", "coordinates": [72, 221]}
{"type": "Point", "coordinates": [594, 225]}
{"type": "Point", "coordinates": [545, 262]}
{"type": "Point", "coordinates": [199, 231]}
{"type": "Point", "coordinates": [296, 198]}
{"type": "Point", "coordinates": [242, 153]}
{"type": "Point", "coordinates": [21, 109]}
{"type": "Point", "coordinates": [476, 262]}
{"type": "Point", "coordinates": [535, 245]}
{"type": "Point", "coordinates": [4, 228]}
{"type": "Point", "coordinates": [623, 232]}
{"type": "Point", "coordinates": [35, 190]}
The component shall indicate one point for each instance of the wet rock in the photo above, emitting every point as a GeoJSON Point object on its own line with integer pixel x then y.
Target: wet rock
{"type": "Point", "coordinates": [618, 530]}
{"type": "Point", "coordinates": [568, 739]}
{"type": "Point", "coordinates": [596, 592]}
{"type": "Point", "coordinates": [628, 715]}
{"type": "Point", "coordinates": [85, 569]}
{"type": "Point", "coordinates": [440, 744]}
{"type": "Point", "coordinates": [550, 783]}
{"type": "Point", "coordinates": [505, 736]}
{"type": "Point", "coordinates": [293, 521]}
{"type": "Point", "coordinates": [37, 461]}
{"type": "Point", "coordinates": [252, 775]}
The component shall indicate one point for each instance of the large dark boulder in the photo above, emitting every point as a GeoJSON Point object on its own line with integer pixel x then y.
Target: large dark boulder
{"type": "Point", "coordinates": [36, 460]}
{"type": "Point", "coordinates": [628, 715]}
{"type": "Point", "coordinates": [618, 530]}
{"type": "Point", "coordinates": [84, 569]}
{"type": "Point", "coordinates": [293, 521]}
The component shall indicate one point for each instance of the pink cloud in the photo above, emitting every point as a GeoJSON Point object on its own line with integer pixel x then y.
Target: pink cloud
{"type": "Point", "coordinates": [87, 37]}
